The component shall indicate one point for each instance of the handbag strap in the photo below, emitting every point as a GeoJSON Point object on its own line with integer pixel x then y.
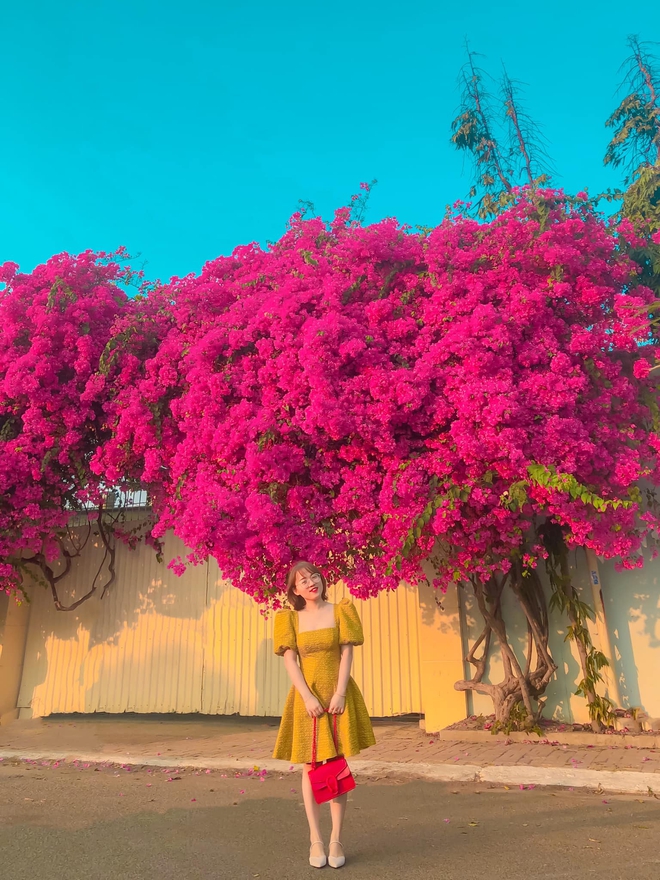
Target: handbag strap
{"type": "Point", "coordinates": [334, 737]}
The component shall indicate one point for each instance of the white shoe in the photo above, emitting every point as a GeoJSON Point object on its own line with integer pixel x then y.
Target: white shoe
{"type": "Point", "coordinates": [317, 861]}
{"type": "Point", "coordinates": [336, 861]}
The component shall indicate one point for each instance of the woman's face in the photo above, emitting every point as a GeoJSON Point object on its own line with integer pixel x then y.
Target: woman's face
{"type": "Point", "coordinates": [308, 586]}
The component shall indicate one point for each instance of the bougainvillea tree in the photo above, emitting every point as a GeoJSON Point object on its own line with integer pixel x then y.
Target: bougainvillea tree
{"type": "Point", "coordinates": [477, 396]}
{"type": "Point", "coordinates": [373, 398]}
{"type": "Point", "coordinates": [55, 324]}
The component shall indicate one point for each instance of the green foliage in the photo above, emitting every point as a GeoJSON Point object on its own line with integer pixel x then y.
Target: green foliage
{"type": "Point", "coordinates": [641, 202]}
{"type": "Point", "coordinates": [516, 495]}
{"type": "Point", "coordinates": [505, 144]}
{"type": "Point", "coordinates": [636, 121]}
{"type": "Point", "coordinates": [473, 132]}
{"type": "Point", "coordinates": [641, 205]}
{"type": "Point", "coordinates": [60, 294]}
{"type": "Point", "coordinates": [518, 720]}
{"type": "Point", "coordinates": [635, 147]}
{"type": "Point", "coordinates": [565, 599]}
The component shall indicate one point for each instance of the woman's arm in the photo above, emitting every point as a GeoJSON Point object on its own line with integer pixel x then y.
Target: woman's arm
{"type": "Point", "coordinates": [338, 701]}
{"type": "Point", "coordinates": [298, 680]}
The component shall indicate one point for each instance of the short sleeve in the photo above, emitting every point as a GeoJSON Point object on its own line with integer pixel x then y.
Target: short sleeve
{"type": "Point", "coordinates": [350, 628]}
{"type": "Point", "coordinates": [284, 634]}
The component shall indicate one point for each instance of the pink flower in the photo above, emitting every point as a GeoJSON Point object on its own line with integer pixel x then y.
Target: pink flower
{"type": "Point", "coordinates": [351, 394]}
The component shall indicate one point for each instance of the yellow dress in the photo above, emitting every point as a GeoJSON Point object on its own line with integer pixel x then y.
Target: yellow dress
{"type": "Point", "coordinates": [319, 660]}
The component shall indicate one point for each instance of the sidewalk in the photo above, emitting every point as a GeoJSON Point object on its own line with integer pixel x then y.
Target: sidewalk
{"type": "Point", "coordinates": [402, 750]}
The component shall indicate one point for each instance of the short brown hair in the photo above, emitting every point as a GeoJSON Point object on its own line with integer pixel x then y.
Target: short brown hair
{"type": "Point", "coordinates": [295, 601]}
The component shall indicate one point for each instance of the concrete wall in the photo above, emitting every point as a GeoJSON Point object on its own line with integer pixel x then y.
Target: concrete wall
{"type": "Point", "coordinates": [14, 621]}
{"type": "Point", "coordinates": [632, 609]}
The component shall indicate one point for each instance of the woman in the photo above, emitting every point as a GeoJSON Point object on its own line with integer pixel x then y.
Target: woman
{"type": "Point", "coordinates": [322, 635]}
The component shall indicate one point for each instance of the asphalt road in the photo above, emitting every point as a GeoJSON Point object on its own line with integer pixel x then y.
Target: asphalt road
{"type": "Point", "coordinates": [87, 823]}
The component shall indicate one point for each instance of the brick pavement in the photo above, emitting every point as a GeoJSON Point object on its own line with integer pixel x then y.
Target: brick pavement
{"type": "Point", "coordinates": [178, 741]}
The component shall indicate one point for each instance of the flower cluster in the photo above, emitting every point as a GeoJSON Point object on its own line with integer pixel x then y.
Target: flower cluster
{"type": "Point", "coordinates": [54, 326]}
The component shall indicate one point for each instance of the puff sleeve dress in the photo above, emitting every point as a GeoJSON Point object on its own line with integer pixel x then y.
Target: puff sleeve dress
{"type": "Point", "coordinates": [319, 652]}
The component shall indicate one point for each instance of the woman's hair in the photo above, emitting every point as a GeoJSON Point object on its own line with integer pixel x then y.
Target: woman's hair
{"type": "Point", "coordinates": [297, 602]}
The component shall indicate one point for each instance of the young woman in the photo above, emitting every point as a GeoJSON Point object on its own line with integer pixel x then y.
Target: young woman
{"type": "Point", "coordinates": [322, 635]}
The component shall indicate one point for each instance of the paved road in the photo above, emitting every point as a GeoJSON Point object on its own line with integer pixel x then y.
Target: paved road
{"type": "Point", "coordinates": [88, 823]}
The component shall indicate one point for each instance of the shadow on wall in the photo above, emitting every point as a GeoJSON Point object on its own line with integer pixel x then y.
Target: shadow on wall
{"type": "Point", "coordinates": [136, 648]}
{"type": "Point", "coordinates": [434, 611]}
{"type": "Point", "coordinates": [632, 608]}
{"type": "Point", "coordinates": [632, 611]}
{"type": "Point", "coordinates": [467, 621]}
{"type": "Point", "coordinates": [438, 609]}
{"type": "Point", "coordinates": [270, 677]}
{"type": "Point", "coordinates": [561, 702]}
{"type": "Point", "coordinates": [160, 643]}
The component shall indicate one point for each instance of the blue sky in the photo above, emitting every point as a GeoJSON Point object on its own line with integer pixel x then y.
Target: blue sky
{"type": "Point", "coordinates": [184, 129]}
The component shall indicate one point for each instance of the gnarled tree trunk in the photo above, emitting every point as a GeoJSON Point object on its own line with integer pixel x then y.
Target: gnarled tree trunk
{"type": "Point", "coordinates": [522, 683]}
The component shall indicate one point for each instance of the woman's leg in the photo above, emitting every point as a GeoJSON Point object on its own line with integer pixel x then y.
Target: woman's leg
{"type": "Point", "coordinates": [337, 812]}
{"type": "Point", "coordinates": [312, 809]}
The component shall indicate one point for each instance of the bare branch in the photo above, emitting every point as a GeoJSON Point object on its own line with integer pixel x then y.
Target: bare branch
{"type": "Point", "coordinates": [526, 141]}
{"type": "Point", "coordinates": [53, 579]}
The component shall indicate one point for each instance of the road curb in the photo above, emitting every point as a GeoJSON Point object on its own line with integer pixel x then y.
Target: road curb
{"type": "Point", "coordinates": [623, 781]}
{"type": "Point", "coordinates": [569, 738]}
{"type": "Point", "coordinates": [128, 760]}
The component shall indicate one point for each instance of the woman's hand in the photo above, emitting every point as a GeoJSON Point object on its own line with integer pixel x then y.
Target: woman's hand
{"type": "Point", "coordinates": [337, 705]}
{"type": "Point", "coordinates": [313, 707]}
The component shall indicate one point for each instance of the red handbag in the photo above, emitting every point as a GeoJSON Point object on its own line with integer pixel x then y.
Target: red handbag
{"type": "Point", "coordinates": [334, 776]}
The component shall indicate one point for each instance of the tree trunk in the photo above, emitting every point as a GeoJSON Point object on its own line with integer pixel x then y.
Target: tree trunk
{"type": "Point", "coordinates": [520, 685]}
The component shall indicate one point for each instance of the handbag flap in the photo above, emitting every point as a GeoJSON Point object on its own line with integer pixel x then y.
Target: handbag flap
{"type": "Point", "coordinates": [336, 768]}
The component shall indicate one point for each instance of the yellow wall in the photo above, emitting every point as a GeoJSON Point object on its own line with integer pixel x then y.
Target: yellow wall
{"type": "Point", "coordinates": [159, 643]}
{"type": "Point", "coordinates": [441, 645]}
